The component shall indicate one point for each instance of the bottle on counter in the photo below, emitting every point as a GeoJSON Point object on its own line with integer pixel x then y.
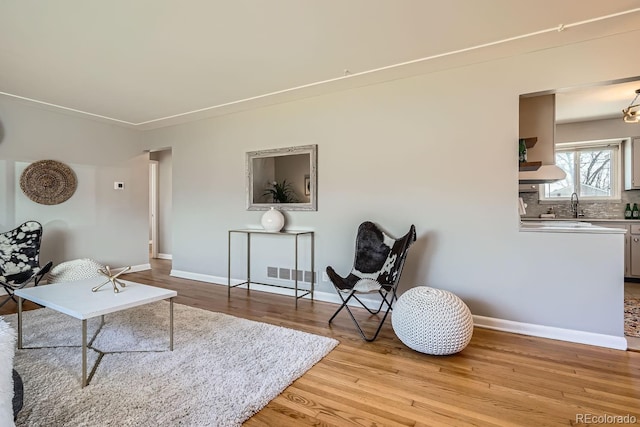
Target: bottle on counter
{"type": "Point", "coordinates": [627, 211]}
{"type": "Point", "coordinates": [635, 213]}
{"type": "Point", "coordinates": [522, 151]}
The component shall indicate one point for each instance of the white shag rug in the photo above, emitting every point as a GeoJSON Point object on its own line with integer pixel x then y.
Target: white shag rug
{"type": "Point", "coordinates": [222, 370]}
{"type": "Point", "coordinates": [7, 349]}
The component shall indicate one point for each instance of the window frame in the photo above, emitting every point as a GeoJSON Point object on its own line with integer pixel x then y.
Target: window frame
{"type": "Point", "coordinates": [616, 146]}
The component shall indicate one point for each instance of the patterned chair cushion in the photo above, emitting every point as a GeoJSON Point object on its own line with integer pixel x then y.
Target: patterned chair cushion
{"type": "Point", "coordinates": [377, 260]}
{"type": "Point", "coordinates": [19, 252]}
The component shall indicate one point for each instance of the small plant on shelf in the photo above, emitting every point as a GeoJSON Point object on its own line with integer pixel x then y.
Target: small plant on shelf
{"type": "Point", "coordinates": [281, 192]}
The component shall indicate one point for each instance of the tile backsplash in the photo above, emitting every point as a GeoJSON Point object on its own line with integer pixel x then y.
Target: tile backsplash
{"type": "Point", "coordinates": [602, 210]}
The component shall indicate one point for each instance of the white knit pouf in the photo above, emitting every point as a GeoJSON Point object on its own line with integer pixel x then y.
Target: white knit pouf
{"type": "Point", "coordinates": [432, 321]}
{"type": "Point", "coordinates": [73, 270]}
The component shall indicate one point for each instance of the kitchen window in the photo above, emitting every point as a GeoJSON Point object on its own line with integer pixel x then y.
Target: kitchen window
{"type": "Point", "coordinates": [593, 171]}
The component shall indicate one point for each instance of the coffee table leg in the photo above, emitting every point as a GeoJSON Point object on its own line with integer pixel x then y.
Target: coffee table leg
{"type": "Point", "coordinates": [171, 324]}
{"type": "Point", "coordinates": [19, 322]}
{"type": "Point", "coordinates": [84, 352]}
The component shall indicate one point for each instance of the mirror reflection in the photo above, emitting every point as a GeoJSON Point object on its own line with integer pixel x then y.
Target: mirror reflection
{"type": "Point", "coordinates": [283, 177]}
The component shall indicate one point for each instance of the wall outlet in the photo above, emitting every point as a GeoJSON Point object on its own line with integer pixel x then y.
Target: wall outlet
{"type": "Point", "coordinates": [118, 185]}
{"type": "Point", "coordinates": [325, 276]}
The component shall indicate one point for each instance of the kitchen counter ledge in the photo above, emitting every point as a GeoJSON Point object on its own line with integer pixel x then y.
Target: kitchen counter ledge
{"type": "Point", "coordinates": [582, 219]}
{"type": "Point", "coordinates": [554, 226]}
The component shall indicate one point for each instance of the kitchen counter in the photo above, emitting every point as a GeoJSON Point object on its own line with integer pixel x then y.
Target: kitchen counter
{"type": "Point", "coordinates": [559, 226]}
{"type": "Point", "coordinates": [582, 219]}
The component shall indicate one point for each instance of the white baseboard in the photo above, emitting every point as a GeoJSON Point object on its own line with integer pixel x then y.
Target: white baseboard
{"type": "Point", "coordinates": [165, 256]}
{"type": "Point", "coordinates": [140, 267]}
{"type": "Point", "coordinates": [569, 335]}
{"type": "Point", "coordinates": [198, 277]}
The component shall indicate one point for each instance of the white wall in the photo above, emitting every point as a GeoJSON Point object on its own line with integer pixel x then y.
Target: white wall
{"type": "Point", "coordinates": [596, 129]}
{"type": "Point", "coordinates": [97, 221]}
{"type": "Point", "coordinates": [439, 151]}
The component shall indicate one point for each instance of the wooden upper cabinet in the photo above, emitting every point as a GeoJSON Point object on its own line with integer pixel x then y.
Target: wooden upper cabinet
{"type": "Point", "coordinates": [537, 119]}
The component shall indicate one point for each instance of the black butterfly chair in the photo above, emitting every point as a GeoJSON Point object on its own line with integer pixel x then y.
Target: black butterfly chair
{"type": "Point", "coordinates": [377, 267]}
{"type": "Point", "coordinates": [19, 254]}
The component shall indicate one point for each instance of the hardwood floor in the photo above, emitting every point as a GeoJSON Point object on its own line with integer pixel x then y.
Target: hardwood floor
{"type": "Point", "coordinates": [499, 379]}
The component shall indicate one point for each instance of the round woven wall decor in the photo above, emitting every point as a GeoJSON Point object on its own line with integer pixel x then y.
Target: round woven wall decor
{"type": "Point", "coordinates": [48, 182]}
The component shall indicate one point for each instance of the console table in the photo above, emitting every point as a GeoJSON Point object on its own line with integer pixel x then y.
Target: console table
{"type": "Point", "coordinates": [295, 234]}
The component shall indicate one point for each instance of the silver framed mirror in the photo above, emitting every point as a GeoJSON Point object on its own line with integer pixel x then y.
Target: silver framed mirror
{"type": "Point", "coordinates": [285, 178]}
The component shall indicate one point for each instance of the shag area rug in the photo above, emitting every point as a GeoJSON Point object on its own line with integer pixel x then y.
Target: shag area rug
{"type": "Point", "coordinates": [222, 370]}
{"type": "Point", "coordinates": [632, 317]}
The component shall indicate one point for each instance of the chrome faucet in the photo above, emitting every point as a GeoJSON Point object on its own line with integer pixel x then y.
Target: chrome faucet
{"type": "Point", "coordinates": [574, 205]}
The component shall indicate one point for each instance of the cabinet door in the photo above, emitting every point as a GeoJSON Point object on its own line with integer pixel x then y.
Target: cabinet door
{"type": "Point", "coordinates": [635, 255]}
{"type": "Point", "coordinates": [627, 255]}
{"type": "Point", "coordinates": [632, 164]}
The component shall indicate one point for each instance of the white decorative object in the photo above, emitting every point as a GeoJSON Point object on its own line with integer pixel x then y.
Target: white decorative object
{"type": "Point", "coordinates": [73, 270]}
{"type": "Point", "coordinates": [432, 321]}
{"type": "Point", "coordinates": [272, 220]}
{"type": "Point", "coordinates": [113, 278]}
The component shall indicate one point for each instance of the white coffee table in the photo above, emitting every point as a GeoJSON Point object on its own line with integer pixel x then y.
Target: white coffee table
{"type": "Point", "coordinates": [77, 300]}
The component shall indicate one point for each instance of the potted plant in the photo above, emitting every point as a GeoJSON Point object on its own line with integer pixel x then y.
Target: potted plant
{"type": "Point", "coordinates": [281, 192]}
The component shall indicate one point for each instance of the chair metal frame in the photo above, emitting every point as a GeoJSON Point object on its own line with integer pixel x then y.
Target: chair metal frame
{"type": "Point", "coordinates": [34, 229]}
{"type": "Point", "coordinates": [388, 282]}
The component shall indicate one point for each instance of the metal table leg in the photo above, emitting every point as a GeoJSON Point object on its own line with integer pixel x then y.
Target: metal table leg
{"type": "Point", "coordinates": [19, 322]}
{"type": "Point", "coordinates": [84, 353]}
{"type": "Point", "coordinates": [171, 324]}
{"type": "Point", "coordinates": [229, 266]}
{"type": "Point", "coordinates": [313, 266]}
{"type": "Point", "coordinates": [296, 273]}
{"type": "Point", "coordinates": [248, 262]}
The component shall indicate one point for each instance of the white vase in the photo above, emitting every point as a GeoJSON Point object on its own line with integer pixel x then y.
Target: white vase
{"type": "Point", "coordinates": [272, 220]}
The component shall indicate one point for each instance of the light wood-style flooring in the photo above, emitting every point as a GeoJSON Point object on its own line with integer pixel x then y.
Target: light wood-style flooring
{"type": "Point", "coordinates": [499, 379]}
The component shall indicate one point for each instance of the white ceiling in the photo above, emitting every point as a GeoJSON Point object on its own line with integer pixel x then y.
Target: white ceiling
{"type": "Point", "coordinates": [150, 63]}
{"type": "Point", "coordinates": [596, 102]}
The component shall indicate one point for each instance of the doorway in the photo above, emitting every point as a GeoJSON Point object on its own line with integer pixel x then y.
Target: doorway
{"type": "Point", "coordinates": [153, 209]}
{"type": "Point", "coordinates": [160, 204]}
